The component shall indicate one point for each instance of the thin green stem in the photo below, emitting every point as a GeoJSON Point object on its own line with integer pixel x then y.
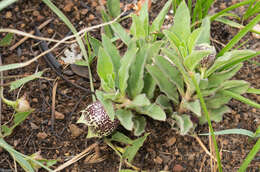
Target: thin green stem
{"type": "Point", "coordinates": [204, 107]}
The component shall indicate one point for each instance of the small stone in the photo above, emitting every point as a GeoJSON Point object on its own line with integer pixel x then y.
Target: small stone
{"type": "Point", "coordinates": [35, 100]}
{"type": "Point", "coordinates": [50, 31]}
{"type": "Point", "coordinates": [75, 131]}
{"type": "Point", "coordinates": [158, 160]}
{"type": "Point", "coordinates": [59, 115]}
{"type": "Point", "coordinates": [36, 13]}
{"type": "Point", "coordinates": [94, 4]}
{"type": "Point", "coordinates": [68, 6]}
{"type": "Point", "coordinates": [177, 168]}
{"type": "Point", "coordinates": [222, 6]}
{"type": "Point", "coordinates": [42, 135]}
{"type": "Point", "coordinates": [91, 17]}
{"type": "Point", "coordinates": [256, 28]}
{"type": "Point", "coordinates": [171, 141]}
{"type": "Point", "coordinates": [84, 11]}
{"type": "Point", "coordinates": [34, 126]}
{"type": "Point", "coordinates": [8, 15]}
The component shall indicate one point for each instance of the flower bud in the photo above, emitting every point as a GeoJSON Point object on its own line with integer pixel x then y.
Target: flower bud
{"type": "Point", "coordinates": [207, 61]}
{"type": "Point", "coordinates": [22, 105]}
{"type": "Point", "coordinates": [97, 119]}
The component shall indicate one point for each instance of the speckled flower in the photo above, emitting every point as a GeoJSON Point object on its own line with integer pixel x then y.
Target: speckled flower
{"type": "Point", "coordinates": [206, 62]}
{"type": "Point", "coordinates": [98, 120]}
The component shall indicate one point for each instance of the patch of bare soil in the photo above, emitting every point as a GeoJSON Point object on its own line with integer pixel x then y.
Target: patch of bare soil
{"type": "Point", "coordinates": [163, 150]}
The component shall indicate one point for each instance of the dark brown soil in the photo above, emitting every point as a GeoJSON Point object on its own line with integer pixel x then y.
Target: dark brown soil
{"type": "Point", "coordinates": [163, 150]}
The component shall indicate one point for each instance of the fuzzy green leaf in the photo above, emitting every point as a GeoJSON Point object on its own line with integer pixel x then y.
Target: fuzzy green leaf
{"type": "Point", "coordinates": [125, 118]}
{"type": "Point", "coordinates": [232, 131]}
{"type": "Point", "coordinates": [215, 114]}
{"type": "Point", "coordinates": [95, 44]}
{"type": "Point", "coordinates": [113, 7]}
{"type": "Point", "coordinates": [135, 81]}
{"type": "Point", "coordinates": [144, 18]}
{"type": "Point", "coordinates": [158, 21]}
{"type": "Point", "coordinates": [193, 106]}
{"type": "Point", "coordinates": [154, 111]}
{"type": "Point", "coordinates": [7, 40]}
{"type": "Point", "coordinates": [139, 101]}
{"type": "Point", "coordinates": [108, 105]}
{"type": "Point", "coordinates": [184, 123]}
{"type": "Point", "coordinates": [194, 36]}
{"type": "Point", "coordinates": [137, 29]}
{"type": "Point", "coordinates": [120, 137]}
{"type": "Point", "coordinates": [139, 125]}
{"type": "Point", "coordinates": [204, 36]}
{"type": "Point", "coordinates": [164, 102]}
{"type": "Point", "coordinates": [121, 33]}
{"type": "Point", "coordinates": [105, 70]}
{"type": "Point", "coordinates": [181, 25]}
{"type": "Point", "coordinates": [126, 62]}
{"type": "Point", "coordinates": [165, 85]}
{"type": "Point", "coordinates": [149, 85]}
{"type": "Point", "coordinates": [131, 151]}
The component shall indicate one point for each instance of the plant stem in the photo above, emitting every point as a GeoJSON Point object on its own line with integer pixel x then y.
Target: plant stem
{"type": "Point", "coordinates": [204, 107]}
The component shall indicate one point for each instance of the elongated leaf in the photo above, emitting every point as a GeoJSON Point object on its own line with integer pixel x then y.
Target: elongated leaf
{"type": "Point", "coordinates": [181, 25]}
{"type": "Point", "coordinates": [194, 36]}
{"type": "Point", "coordinates": [250, 156]}
{"type": "Point", "coordinates": [126, 62]}
{"type": "Point", "coordinates": [107, 29]}
{"type": "Point", "coordinates": [184, 123]}
{"type": "Point", "coordinates": [219, 77]}
{"type": "Point", "coordinates": [193, 59]}
{"type": "Point", "coordinates": [18, 83]}
{"type": "Point", "coordinates": [111, 49]}
{"type": "Point", "coordinates": [7, 40]}
{"type": "Point", "coordinates": [139, 125]}
{"type": "Point", "coordinates": [232, 131]}
{"type": "Point", "coordinates": [127, 170]}
{"type": "Point", "coordinates": [18, 119]}
{"type": "Point", "coordinates": [253, 91]}
{"type": "Point", "coordinates": [137, 28]}
{"type": "Point", "coordinates": [193, 106]}
{"type": "Point", "coordinates": [139, 101]}
{"type": "Point", "coordinates": [113, 7]}
{"type": "Point", "coordinates": [154, 49]}
{"type": "Point", "coordinates": [135, 81]}
{"type": "Point", "coordinates": [131, 151]}
{"type": "Point", "coordinates": [144, 18]}
{"type": "Point", "coordinates": [149, 85]}
{"type": "Point", "coordinates": [154, 111]}
{"type": "Point", "coordinates": [95, 44]}
{"type": "Point", "coordinates": [105, 70]}
{"type": "Point", "coordinates": [171, 72]}
{"type": "Point", "coordinates": [164, 102]}
{"type": "Point", "coordinates": [174, 40]}
{"type": "Point", "coordinates": [228, 58]}
{"type": "Point", "coordinates": [120, 137]}
{"type": "Point", "coordinates": [204, 36]}
{"type": "Point", "coordinates": [158, 21]}
{"type": "Point", "coordinates": [125, 118]}
{"type": "Point", "coordinates": [217, 100]}
{"type": "Point", "coordinates": [121, 33]}
{"type": "Point", "coordinates": [108, 105]}
{"type": "Point", "coordinates": [165, 85]}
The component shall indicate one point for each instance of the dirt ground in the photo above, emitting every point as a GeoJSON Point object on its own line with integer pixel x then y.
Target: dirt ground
{"type": "Point", "coordinates": [163, 150]}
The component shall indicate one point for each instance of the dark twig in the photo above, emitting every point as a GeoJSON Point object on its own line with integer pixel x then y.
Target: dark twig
{"type": "Point", "coordinates": [1, 89]}
{"type": "Point", "coordinates": [54, 64]}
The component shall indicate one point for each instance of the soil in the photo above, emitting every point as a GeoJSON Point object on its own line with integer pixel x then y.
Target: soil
{"type": "Point", "coordinates": [163, 150]}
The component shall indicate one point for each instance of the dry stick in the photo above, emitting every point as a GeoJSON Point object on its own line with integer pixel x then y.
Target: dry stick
{"type": "Point", "coordinates": [32, 32]}
{"type": "Point", "coordinates": [204, 147]}
{"type": "Point", "coordinates": [203, 162]}
{"type": "Point", "coordinates": [76, 158]}
{"type": "Point", "coordinates": [54, 89]}
{"type": "Point", "coordinates": [1, 89]}
{"type": "Point", "coordinates": [20, 65]}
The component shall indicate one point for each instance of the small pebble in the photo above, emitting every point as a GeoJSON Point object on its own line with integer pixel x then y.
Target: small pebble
{"type": "Point", "coordinates": [257, 28]}
{"type": "Point", "coordinates": [42, 135]}
{"type": "Point", "coordinates": [75, 131]}
{"type": "Point", "coordinates": [158, 160]}
{"type": "Point", "coordinates": [177, 168]}
{"type": "Point", "coordinates": [59, 115]}
{"type": "Point", "coordinates": [171, 141]}
{"type": "Point", "coordinates": [8, 15]}
{"type": "Point", "coordinates": [68, 6]}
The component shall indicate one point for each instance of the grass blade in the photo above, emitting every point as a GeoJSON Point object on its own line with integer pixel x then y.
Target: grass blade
{"type": "Point", "coordinates": [250, 156]}
{"type": "Point", "coordinates": [6, 3]}
{"type": "Point", "coordinates": [239, 35]}
{"type": "Point", "coordinates": [232, 131]}
{"type": "Point", "coordinates": [253, 91]}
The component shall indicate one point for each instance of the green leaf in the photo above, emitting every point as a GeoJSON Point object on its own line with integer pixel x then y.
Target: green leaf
{"type": "Point", "coordinates": [137, 28]}
{"type": "Point", "coordinates": [184, 123]}
{"type": "Point", "coordinates": [108, 105]}
{"type": "Point", "coordinates": [158, 21]}
{"type": "Point", "coordinates": [228, 58]}
{"type": "Point", "coordinates": [135, 81]}
{"type": "Point", "coordinates": [127, 170]}
{"type": "Point", "coordinates": [113, 8]}
{"type": "Point", "coordinates": [107, 29]}
{"type": "Point", "coordinates": [165, 85]}
{"type": "Point", "coordinates": [219, 77]}
{"type": "Point", "coordinates": [126, 62]}
{"type": "Point", "coordinates": [18, 119]}
{"type": "Point", "coordinates": [154, 111]}
{"type": "Point", "coordinates": [175, 41]}
{"type": "Point", "coordinates": [111, 49]}
{"type": "Point", "coordinates": [250, 156]}
{"type": "Point", "coordinates": [193, 39]}
{"type": "Point", "coordinates": [215, 114]}
{"type": "Point", "coordinates": [95, 44]}
{"type": "Point", "coordinates": [193, 59]}
{"type": "Point", "coordinates": [232, 131]}
{"type": "Point", "coordinates": [193, 106]}
{"type": "Point", "coordinates": [144, 18]}
{"type": "Point", "coordinates": [149, 86]}
{"type": "Point", "coordinates": [139, 101]}
{"type": "Point", "coordinates": [5, 3]}
{"type": "Point", "coordinates": [217, 100]}
{"type": "Point", "coordinates": [181, 25]}
{"type": "Point", "coordinates": [164, 102]}
{"type": "Point", "coordinates": [139, 125]}
{"type": "Point", "coordinates": [121, 33]}
{"type": "Point", "coordinates": [105, 70]}
{"type": "Point", "coordinates": [237, 86]}
{"type": "Point", "coordinates": [204, 36]}
{"type": "Point", "coordinates": [131, 151]}
{"type": "Point", "coordinates": [154, 49]}
{"type": "Point", "coordinates": [125, 118]}
{"type": "Point", "coordinates": [171, 72]}
{"type": "Point", "coordinates": [120, 137]}
{"type": "Point", "coordinates": [253, 91]}
{"type": "Point", "coordinates": [18, 83]}
{"type": "Point", "coordinates": [7, 40]}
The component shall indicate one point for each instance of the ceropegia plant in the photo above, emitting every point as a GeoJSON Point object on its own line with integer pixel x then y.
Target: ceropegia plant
{"type": "Point", "coordinates": [126, 87]}
{"type": "Point", "coordinates": [188, 56]}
